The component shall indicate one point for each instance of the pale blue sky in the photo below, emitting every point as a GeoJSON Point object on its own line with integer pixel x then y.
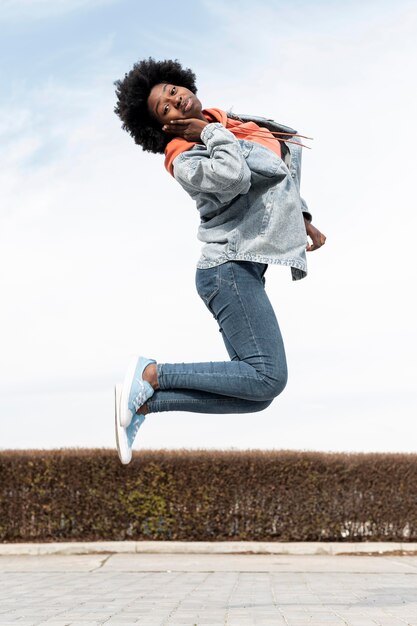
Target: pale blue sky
{"type": "Point", "coordinates": [90, 271]}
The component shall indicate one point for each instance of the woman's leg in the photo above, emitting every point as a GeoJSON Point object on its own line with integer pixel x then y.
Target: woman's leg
{"type": "Point", "coordinates": [234, 293]}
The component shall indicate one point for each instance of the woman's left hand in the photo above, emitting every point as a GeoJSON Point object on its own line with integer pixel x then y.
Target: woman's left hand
{"type": "Point", "coordinates": [189, 129]}
{"type": "Point", "coordinates": [317, 238]}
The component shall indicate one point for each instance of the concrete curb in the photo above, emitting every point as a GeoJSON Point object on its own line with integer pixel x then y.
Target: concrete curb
{"type": "Point", "coordinates": [204, 547]}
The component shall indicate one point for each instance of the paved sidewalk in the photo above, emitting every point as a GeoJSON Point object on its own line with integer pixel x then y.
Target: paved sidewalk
{"type": "Point", "coordinates": [212, 547]}
{"type": "Point", "coordinates": [208, 590]}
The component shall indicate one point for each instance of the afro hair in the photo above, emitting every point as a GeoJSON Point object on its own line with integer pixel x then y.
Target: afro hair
{"type": "Point", "coordinates": [132, 99]}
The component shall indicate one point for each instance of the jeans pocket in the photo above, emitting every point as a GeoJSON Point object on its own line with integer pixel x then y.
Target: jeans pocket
{"type": "Point", "coordinates": [207, 283]}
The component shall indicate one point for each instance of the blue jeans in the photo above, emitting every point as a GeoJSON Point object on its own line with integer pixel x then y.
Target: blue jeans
{"type": "Point", "coordinates": [234, 292]}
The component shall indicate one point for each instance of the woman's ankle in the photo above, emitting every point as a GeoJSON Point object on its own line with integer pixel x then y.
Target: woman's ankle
{"type": "Point", "coordinates": [150, 374]}
{"type": "Point", "coordinates": [143, 410]}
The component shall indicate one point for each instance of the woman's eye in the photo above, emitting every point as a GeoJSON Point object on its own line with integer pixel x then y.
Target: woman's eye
{"type": "Point", "coordinates": [173, 91]}
{"type": "Point", "coordinates": [165, 109]}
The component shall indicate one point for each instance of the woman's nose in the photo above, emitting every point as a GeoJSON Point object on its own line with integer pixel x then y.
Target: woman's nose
{"type": "Point", "coordinates": [178, 101]}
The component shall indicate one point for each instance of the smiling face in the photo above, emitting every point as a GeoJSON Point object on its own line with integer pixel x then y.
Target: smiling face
{"type": "Point", "coordinates": [168, 102]}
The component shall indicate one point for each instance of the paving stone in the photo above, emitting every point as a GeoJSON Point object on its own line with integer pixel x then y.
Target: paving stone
{"type": "Point", "coordinates": [217, 590]}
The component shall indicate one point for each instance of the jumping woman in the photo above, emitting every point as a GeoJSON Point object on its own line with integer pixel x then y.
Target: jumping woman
{"type": "Point", "coordinates": [243, 172]}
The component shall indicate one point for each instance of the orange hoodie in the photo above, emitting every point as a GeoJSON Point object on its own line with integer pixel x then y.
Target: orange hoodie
{"type": "Point", "coordinates": [242, 130]}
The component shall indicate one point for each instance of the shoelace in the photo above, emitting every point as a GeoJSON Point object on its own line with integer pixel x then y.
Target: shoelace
{"type": "Point", "coordinates": [141, 396]}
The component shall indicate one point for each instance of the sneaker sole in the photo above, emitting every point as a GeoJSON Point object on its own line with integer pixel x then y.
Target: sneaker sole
{"type": "Point", "coordinates": [125, 414]}
{"type": "Point", "coordinates": [123, 450]}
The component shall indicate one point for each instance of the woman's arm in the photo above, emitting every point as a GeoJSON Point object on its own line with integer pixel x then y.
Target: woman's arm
{"type": "Point", "coordinates": [225, 173]}
{"type": "Point", "coordinates": [317, 238]}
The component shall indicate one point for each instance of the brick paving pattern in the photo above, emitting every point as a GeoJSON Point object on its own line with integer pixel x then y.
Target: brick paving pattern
{"type": "Point", "coordinates": [208, 590]}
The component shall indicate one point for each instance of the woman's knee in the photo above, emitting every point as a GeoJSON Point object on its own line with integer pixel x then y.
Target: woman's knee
{"type": "Point", "coordinates": [271, 386]}
{"type": "Point", "coordinates": [280, 382]}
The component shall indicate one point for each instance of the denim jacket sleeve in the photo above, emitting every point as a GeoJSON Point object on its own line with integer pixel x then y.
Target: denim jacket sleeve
{"type": "Point", "coordinates": [223, 171]}
{"type": "Point", "coordinates": [305, 210]}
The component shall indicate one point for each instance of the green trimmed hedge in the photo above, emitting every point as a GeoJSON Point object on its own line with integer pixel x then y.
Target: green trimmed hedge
{"type": "Point", "coordinates": [203, 495]}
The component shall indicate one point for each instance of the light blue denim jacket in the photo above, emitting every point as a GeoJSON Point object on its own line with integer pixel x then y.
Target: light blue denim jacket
{"type": "Point", "coordinates": [248, 198]}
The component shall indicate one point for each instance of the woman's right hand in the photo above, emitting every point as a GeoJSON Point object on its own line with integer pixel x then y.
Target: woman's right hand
{"type": "Point", "coordinates": [189, 129]}
{"type": "Point", "coordinates": [317, 238]}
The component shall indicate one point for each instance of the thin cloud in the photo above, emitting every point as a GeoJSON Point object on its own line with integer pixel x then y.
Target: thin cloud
{"type": "Point", "coordinates": [21, 10]}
